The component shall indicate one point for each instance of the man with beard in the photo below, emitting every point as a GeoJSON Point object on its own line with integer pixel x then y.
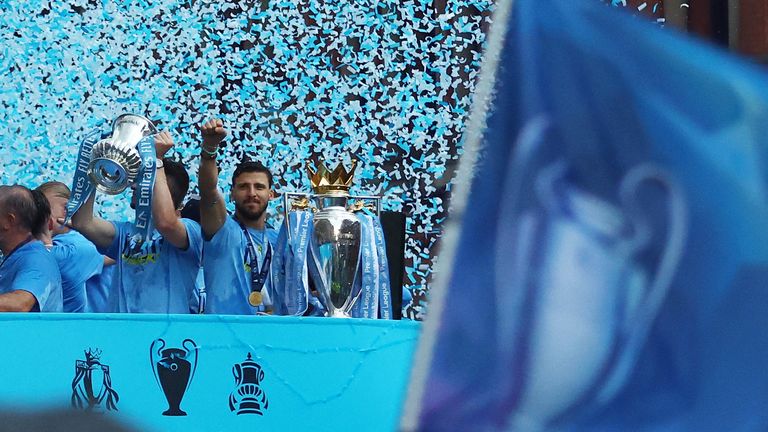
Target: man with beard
{"type": "Point", "coordinates": [29, 276]}
{"type": "Point", "coordinates": [158, 275]}
{"type": "Point", "coordinates": [237, 249]}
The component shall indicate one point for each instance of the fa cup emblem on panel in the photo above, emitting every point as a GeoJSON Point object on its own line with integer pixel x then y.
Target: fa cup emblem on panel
{"type": "Point", "coordinates": [248, 397]}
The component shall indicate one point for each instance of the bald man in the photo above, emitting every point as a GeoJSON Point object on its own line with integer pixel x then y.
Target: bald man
{"type": "Point", "coordinates": [29, 276]}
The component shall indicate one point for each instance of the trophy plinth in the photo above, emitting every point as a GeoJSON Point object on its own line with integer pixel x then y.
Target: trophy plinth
{"type": "Point", "coordinates": [115, 161]}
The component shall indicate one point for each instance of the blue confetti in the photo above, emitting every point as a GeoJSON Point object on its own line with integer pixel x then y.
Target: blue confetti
{"type": "Point", "coordinates": [386, 82]}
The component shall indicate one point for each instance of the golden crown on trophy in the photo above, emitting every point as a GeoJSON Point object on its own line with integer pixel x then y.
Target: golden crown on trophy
{"type": "Point", "coordinates": [326, 181]}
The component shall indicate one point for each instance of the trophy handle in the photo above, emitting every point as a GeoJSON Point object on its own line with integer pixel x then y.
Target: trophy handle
{"type": "Point", "coordinates": [191, 352]}
{"type": "Point", "coordinates": [237, 371]}
{"type": "Point", "coordinates": [638, 323]}
{"type": "Point", "coordinates": [360, 204]}
{"type": "Point", "coordinates": [288, 207]}
{"type": "Point", "coordinates": [154, 356]}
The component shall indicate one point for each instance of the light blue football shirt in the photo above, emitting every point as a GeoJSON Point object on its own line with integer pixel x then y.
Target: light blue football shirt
{"type": "Point", "coordinates": [78, 262]}
{"type": "Point", "coordinates": [98, 290]}
{"type": "Point", "coordinates": [157, 277]}
{"type": "Point", "coordinates": [32, 268]}
{"type": "Point", "coordinates": [227, 275]}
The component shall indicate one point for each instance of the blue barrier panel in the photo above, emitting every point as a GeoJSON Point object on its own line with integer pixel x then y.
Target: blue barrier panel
{"type": "Point", "coordinates": [318, 373]}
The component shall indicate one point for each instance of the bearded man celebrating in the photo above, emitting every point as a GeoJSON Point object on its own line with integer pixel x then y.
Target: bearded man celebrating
{"type": "Point", "coordinates": [237, 249]}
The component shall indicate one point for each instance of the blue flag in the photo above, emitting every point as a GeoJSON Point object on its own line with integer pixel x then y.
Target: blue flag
{"type": "Point", "coordinates": [609, 270]}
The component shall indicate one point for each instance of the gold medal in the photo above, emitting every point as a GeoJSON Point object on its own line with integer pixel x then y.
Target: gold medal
{"type": "Point", "coordinates": [254, 298]}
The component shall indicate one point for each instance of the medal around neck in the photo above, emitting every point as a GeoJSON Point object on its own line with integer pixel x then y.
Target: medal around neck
{"type": "Point", "coordinates": [335, 240]}
{"type": "Point", "coordinates": [115, 161]}
{"type": "Point", "coordinates": [255, 298]}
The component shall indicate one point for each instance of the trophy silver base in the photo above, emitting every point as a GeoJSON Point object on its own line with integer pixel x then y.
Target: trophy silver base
{"type": "Point", "coordinates": [338, 313]}
{"type": "Point", "coordinates": [115, 161]}
{"type": "Point", "coordinates": [108, 176]}
{"type": "Point", "coordinates": [113, 169]}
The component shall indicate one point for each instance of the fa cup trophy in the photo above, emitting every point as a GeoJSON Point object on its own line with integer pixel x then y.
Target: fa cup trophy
{"type": "Point", "coordinates": [110, 165]}
{"type": "Point", "coordinates": [115, 161]}
{"type": "Point", "coordinates": [338, 251]}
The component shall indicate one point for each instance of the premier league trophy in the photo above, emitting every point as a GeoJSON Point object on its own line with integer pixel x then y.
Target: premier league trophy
{"type": "Point", "coordinates": [115, 161]}
{"type": "Point", "coordinates": [345, 253]}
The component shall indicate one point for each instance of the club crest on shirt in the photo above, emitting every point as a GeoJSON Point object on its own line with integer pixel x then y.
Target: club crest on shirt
{"type": "Point", "coordinates": [136, 252]}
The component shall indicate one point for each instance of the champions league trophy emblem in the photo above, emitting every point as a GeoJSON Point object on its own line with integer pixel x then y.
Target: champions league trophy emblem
{"type": "Point", "coordinates": [248, 397]}
{"type": "Point", "coordinates": [576, 259]}
{"type": "Point", "coordinates": [115, 161]}
{"type": "Point", "coordinates": [92, 385]}
{"type": "Point", "coordinates": [335, 241]}
{"type": "Point", "coordinates": [174, 369]}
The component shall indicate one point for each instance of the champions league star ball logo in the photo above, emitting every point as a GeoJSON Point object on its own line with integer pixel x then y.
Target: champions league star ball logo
{"type": "Point", "coordinates": [92, 386]}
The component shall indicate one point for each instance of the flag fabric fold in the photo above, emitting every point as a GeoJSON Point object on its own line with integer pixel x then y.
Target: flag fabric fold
{"type": "Point", "coordinates": [611, 269]}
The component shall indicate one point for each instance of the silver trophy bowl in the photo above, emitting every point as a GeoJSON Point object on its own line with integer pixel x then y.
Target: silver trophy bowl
{"type": "Point", "coordinates": [336, 244]}
{"type": "Point", "coordinates": [115, 161]}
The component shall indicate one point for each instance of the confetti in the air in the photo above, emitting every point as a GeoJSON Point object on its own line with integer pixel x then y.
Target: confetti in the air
{"type": "Point", "coordinates": [385, 82]}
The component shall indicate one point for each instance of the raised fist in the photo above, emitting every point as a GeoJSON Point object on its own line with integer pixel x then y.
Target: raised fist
{"type": "Point", "coordinates": [213, 134]}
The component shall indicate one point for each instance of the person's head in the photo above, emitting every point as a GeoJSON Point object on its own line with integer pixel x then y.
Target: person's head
{"type": "Point", "coordinates": [41, 227]}
{"type": "Point", "coordinates": [178, 183]}
{"type": "Point", "coordinates": [57, 194]}
{"type": "Point", "coordinates": [22, 213]}
{"type": "Point", "coordinates": [191, 209]}
{"type": "Point", "coordinates": [251, 190]}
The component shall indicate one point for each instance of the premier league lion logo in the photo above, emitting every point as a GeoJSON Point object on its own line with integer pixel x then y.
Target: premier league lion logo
{"type": "Point", "coordinates": [92, 386]}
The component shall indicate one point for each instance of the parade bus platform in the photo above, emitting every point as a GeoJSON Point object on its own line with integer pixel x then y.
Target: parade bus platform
{"type": "Point", "coordinates": [210, 372]}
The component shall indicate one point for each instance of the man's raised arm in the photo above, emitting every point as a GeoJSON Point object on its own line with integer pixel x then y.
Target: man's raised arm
{"type": "Point", "coordinates": [97, 230]}
{"type": "Point", "coordinates": [213, 212]}
{"type": "Point", "coordinates": [164, 214]}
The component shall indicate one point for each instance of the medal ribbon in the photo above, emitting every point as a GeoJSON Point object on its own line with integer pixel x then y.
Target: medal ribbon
{"type": "Point", "coordinates": [258, 274]}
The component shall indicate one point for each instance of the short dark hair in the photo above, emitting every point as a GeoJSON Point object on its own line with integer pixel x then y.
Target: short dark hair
{"type": "Point", "coordinates": [30, 207]}
{"type": "Point", "coordinates": [43, 212]}
{"type": "Point", "coordinates": [191, 209]}
{"type": "Point", "coordinates": [177, 175]}
{"type": "Point", "coordinates": [248, 166]}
